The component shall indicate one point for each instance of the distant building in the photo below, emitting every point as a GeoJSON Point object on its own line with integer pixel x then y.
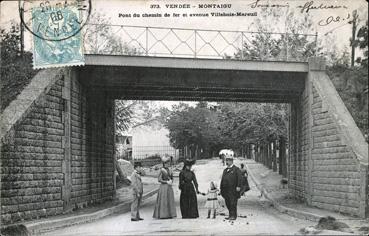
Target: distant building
{"type": "Point", "coordinates": [151, 142]}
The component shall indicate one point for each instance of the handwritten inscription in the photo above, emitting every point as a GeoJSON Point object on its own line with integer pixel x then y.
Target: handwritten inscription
{"type": "Point", "coordinates": [308, 6]}
{"type": "Point", "coordinates": [257, 4]}
{"type": "Point", "coordinates": [333, 19]}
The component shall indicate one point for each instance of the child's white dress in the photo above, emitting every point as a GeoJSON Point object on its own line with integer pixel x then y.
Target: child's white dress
{"type": "Point", "coordinates": [212, 199]}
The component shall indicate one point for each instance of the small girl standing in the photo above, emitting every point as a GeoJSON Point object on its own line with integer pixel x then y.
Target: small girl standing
{"type": "Point", "coordinates": [212, 199]}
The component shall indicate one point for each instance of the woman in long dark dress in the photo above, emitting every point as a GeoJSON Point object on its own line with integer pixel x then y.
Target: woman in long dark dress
{"type": "Point", "coordinates": [245, 184]}
{"type": "Point", "coordinates": [189, 187]}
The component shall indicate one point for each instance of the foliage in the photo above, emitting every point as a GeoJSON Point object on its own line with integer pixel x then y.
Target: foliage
{"type": "Point", "coordinates": [294, 44]}
{"type": "Point", "coordinates": [248, 122]}
{"type": "Point", "coordinates": [352, 86]}
{"type": "Point", "coordinates": [16, 69]}
{"type": "Point", "coordinates": [362, 42]}
{"type": "Point", "coordinates": [133, 113]}
{"type": "Point", "coordinates": [190, 126]}
{"type": "Point", "coordinates": [101, 38]}
{"type": "Point", "coordinates": [226, 125]}
{"type": "Point", "coordinates": [352, 82]}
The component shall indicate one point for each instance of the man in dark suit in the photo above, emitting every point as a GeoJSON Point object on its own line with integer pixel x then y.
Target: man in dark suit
{"type": "Point", "coordinates": [230, 187]}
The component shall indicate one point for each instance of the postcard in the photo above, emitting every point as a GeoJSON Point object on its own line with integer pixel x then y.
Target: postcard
{"type": "Point", "coordinates": [197, 117]}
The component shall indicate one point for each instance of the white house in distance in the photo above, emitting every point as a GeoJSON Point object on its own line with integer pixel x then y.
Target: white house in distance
{"type": "Point", "coordinates": [143, 142]}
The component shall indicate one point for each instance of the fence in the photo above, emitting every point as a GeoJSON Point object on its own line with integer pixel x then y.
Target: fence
{"type": "Point", "coordinates": [197, 43]}
{"type": "Point", "coordinates": [144, 152]}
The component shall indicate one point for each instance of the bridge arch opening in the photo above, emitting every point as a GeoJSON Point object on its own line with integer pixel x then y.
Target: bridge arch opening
{"type": "Point", "coordinates": [159, 79]}
{"type": "Point", "coordinates": [200, 129]}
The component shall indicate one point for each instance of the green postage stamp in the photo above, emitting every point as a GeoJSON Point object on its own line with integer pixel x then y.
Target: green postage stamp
{"type": "Point", "coordinates": [56, 30]}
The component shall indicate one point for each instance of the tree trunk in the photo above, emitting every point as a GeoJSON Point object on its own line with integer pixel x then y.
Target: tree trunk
{"type": "Point", "coordinates": [269, 153]}
{"type": "Point", "coordinates": [274, 155]}
{"type": "Point", "coordinates": [261, 154]}
{"type": "Point", "coordinates": [282, 156]}
{"type": "Point", "coordinates": [248, 153]}
{"type": "Point", "coordinates": [256, 153]}
{"type": "Point", "coordinates": [280, 167]}
{"type": "Point", "coordinates": [265, 154]}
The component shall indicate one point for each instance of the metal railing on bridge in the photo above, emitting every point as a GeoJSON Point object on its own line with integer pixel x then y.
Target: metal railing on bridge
{"type": "Point", "coordinates": [198, 43]}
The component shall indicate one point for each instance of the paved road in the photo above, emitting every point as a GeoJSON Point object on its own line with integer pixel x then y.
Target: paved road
{"type": "Point", "coordinates": [256, 216]}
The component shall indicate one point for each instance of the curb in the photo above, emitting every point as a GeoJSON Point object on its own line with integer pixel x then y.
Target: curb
{"type": "Point", "coordinates": [283, 209]}
{"type": "Point", "coordinates": [50, 225]}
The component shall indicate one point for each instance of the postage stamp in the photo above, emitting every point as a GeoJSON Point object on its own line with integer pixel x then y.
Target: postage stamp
{"type": "Point", "coordinates": [56, 29]}
{"type": "Point", "coordinates": [57, 23]}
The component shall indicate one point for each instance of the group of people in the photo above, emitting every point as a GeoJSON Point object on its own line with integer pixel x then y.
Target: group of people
{"type": "Point", "coordinates": [232, 187]}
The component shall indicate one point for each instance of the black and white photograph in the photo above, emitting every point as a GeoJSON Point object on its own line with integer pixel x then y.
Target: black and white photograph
{"type": "Point", "coordinates": [191, 117]}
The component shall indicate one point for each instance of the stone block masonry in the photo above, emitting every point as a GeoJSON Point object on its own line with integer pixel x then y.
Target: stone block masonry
{"type": "Point", "coordinates": [68, 118]}
{"type": "Point", "coordinates": [328, 161]}
{"type": "Point", "coordinates": [339, 153]}
{"type": "Point", "coordinates": [336, 173]}
{"type": "Point", "coordinates": [299, 145]}
{"type": "Point", "coordinates": [92, 146]}
{"type": "Point", "coordinates": [31, 155]}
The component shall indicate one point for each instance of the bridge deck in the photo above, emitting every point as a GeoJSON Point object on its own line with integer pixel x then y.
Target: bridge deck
{"type": "Point", "coordinates": [158, 78]}
{"type": "Point", "coordinates": [195, 63]}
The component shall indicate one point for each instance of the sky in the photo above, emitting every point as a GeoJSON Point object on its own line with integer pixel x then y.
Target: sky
{"type": "Point", "coordinates": [340, 29]}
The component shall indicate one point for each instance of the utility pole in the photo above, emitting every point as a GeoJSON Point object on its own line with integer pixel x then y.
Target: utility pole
{"type": "Point", "coordinates": [21, 28]}
{"type": "Point", "coordinates": [353, 44]}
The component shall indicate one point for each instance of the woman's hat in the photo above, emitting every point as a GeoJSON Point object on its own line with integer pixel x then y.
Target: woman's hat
{"type": "Point", "coordinates": [165, 158]}
{"type": "Point", "coordinates": [137, 164]}
{"type": "Point", "coordinates": [229, 157]}
{"type": "Point", "coordinates": [189, 162]}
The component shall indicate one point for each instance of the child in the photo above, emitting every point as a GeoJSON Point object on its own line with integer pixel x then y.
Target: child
{"type": "Point", "coordinates": [212, 199]}
{"type": "Point", "coordinates": [137, 187]}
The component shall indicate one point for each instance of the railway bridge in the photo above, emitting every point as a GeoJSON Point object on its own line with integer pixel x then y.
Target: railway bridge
{"type": "Point", "coordinates": [57, 136]}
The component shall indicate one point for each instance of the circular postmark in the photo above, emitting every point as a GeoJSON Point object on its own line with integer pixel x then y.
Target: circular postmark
{"type": "Point", "coordinates": [54, 20]}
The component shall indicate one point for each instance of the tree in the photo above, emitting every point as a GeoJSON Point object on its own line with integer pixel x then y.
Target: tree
{"type": "Point", "coordinates": [244, 123]}
{"type": "Point", "coordinates": [294, 44]}
{"type": "Point", "coordinates": [362, 42]}
{"type": "Point", "coordinates": [192, 127]}
{"type": "Point", "coordinates": [225, 125]}
{"type": "Point", "coordinates": [100, 37]}
{"type": "Point", "coordinates": [16, 68]}
{"type": "Point", "coordinates": [352, 82]}
{"type": "Point", "coordinates": [134, 113]}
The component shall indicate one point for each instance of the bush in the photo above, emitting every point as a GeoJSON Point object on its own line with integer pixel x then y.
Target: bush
{"type": "Point", "coordinates": [16, 69]}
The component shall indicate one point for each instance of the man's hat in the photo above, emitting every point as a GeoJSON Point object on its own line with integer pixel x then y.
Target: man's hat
{"type": "Point", "coordinates": [137, 164]}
